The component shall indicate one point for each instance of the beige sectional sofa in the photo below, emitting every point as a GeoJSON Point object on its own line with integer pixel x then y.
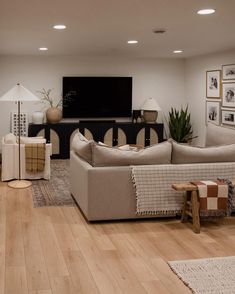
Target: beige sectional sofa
{"type": "Point", "coordinates": [101, 177]}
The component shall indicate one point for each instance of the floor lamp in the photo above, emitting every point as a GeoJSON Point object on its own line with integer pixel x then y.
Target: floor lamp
{"type": "Point", "coordinates": [19, 94]}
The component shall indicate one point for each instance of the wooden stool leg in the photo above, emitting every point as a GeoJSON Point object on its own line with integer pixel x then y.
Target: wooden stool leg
{"type": "Point", "coordinates": [195, 212]}
{"type": "Point", "coordinates": [184, 216]}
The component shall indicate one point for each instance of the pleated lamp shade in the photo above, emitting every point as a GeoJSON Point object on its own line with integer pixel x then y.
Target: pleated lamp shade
{"type": "Point", "coordinates": [150, 110]}
{"type": "Point", "coordinates": [19, 93]}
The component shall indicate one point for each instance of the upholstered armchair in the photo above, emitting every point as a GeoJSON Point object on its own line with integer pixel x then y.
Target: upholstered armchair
{"type": "Point", "coordinates": [10, 158]}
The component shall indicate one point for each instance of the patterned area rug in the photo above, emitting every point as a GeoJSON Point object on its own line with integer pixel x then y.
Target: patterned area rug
{"type": "Point", "coordinates": [54, 192]}
{"type": "Point", "coordinates": [210, 275]}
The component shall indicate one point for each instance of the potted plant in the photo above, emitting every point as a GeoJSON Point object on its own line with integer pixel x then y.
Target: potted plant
{"type": "Point", "coordinates": [53, 113]}
{"type": "Point", "coordinates": [180, 126]}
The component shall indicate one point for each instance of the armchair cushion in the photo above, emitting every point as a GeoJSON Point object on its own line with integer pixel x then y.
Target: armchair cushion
{"type": "Point", "coordinates": [10, 139]}
{"type": "Point", "coordinates": [32, 140]}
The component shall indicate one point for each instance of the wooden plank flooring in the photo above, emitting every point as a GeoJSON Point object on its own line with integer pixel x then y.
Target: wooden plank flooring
{"type": "Point", "coordinates": [53, 250]}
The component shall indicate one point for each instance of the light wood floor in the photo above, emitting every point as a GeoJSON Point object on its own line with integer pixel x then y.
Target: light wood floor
{"type": "Point", "coordinates": [54, 250]}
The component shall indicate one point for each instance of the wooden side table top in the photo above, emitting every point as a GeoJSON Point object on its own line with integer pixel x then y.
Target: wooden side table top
{"type": "Point", "coordinates": [184, 187]}
{"type": "Point", "coordinates": [188, 186]}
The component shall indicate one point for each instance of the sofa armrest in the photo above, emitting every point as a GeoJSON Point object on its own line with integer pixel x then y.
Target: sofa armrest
{"type": "Point", "coordinates": [102, 192]}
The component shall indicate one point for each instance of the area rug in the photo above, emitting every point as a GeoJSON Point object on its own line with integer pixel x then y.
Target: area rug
{"type": "Point", "coordinates": [54, 192]}
{"type": "Point", "coordinates": [210, 275]}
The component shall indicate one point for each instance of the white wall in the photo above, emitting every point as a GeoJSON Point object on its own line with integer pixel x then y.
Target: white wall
{"type": "Point", "coordinates": [162, 79]}
{"type": "Point", "coordinates": [195, 86]}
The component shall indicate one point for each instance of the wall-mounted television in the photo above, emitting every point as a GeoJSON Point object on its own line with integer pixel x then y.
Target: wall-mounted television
{"type": "Point", "coordinates": [97, 97]}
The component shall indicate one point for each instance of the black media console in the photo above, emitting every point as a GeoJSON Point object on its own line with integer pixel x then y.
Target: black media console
{"type": "Point", "coordinates": [64, 130]}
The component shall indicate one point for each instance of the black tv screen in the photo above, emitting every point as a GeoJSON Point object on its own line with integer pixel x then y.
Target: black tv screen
{"type": "Point", "coordinates": [98, 97]}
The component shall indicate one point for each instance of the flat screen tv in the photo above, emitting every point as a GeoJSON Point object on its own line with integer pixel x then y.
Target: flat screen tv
{"type": "Point", "coordinates": [97, 97]}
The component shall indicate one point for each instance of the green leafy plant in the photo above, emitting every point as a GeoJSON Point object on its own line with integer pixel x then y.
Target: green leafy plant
{"type": "Point", "coordinates": [180, 126]}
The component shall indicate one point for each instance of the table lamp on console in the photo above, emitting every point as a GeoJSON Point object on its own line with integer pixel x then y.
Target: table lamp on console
{"type": "Point", "coordinates": [150, 110]}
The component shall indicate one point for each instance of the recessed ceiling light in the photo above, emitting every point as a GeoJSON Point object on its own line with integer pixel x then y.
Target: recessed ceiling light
{"type": "Point", "coordinates": [43, 48]}
{"type": "Point", "coordinates": [206, 11]}
{"type": "Point", "coordinates": [177, 51]}
{"type": "Point", "coordinates": [132, 42]}
{"type": "Point", "coordinates": [59, 27]}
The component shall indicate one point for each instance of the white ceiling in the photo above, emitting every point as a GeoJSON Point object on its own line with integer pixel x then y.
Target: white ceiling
{"type": "Point", "coordinates": [102, 27]}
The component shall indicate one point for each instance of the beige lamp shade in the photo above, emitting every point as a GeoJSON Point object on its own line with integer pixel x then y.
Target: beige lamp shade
{"type": "Point", "coordinates": [19, 93]}
{"type": "Point", "coordinates": [150, 110]}
{"type": "Point", "coordinates": [151, 104]}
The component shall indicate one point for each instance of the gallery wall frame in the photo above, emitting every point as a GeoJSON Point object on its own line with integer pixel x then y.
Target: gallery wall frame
{"type": "Point", "coordinates": [213, 84]}
{"type": "Point", "coordinates": [228, 94]}
{"type": "Point", "coordinates": [228, 72]}
{"type": "Point", "coordinates": [213, 111]}
{"type": "Point", "coordinates": [228, 117]}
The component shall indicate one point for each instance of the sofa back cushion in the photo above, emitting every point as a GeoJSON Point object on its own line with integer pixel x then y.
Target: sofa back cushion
{"type": "Point", "coordinates": [219, 135]}
{"type": "Point", "coordinates": [189, 154]}
{"type": "Point", "coordinates": [82, 147]}
{"type": "Point", "coordinates": [109, 156]}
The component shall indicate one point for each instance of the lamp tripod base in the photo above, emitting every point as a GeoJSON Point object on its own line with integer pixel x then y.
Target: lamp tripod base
{"type": "Point", "coordinates": [19, 184]}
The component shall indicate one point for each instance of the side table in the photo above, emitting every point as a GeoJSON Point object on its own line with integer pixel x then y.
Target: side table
{"type": "Point", "coordinates": [190, 205]}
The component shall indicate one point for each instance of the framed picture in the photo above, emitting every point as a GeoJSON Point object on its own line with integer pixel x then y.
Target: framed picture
{"type": "Point", "coordinates": [228, 117]}
{"type": "Point", "coordinates": [213, 112]}
{"type": "Point", "coordinates": [213, 84]}
{"type": "Point", "coordinates": [228, 98]}
{"type": "Point", "coordinates": [228, 71]}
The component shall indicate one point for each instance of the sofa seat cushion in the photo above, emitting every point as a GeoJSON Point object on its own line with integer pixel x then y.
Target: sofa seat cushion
{"type": "Point", "coordinates": [82, 147]}
{"type": "Point", "coordinates": [189, 154]}
{"type": "Point", "coordinates": [110, 156]}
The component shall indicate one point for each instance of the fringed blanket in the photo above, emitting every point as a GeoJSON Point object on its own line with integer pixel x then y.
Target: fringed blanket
{"type": "Point", "coordinates": [153, 198]}
{"type": "Point", "coordinates": [35, 157]}
{"type": "Point", "coordinates": [213, 197]}
{"type": "Point", "coordinates": [231, 197]}
{"type": "Point", "coordinates": [153, 183]}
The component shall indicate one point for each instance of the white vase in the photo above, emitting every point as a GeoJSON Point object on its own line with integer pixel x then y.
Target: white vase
{"type": "Point", "coordinates": [37, 117]}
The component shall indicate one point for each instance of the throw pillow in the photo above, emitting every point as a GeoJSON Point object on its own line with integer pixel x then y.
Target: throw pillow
{"type": "Point", "coordinates": [82, 147]}
{"type": "Point", "coordinates": [10, 139]}
{"type": "Point", "coordinates": [128, 147]}
{"type": "Point", "coordinates": [189, 154]}
{"type": "Point", "coordinates": [218, 135]}
{"type": "Point", "coordinates": [108, 156]}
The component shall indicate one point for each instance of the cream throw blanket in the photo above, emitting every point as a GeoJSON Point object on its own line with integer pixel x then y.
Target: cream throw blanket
{"type": "Point", "coordinates": [154, 193]}
{"type": "Point", "coordinates": [153, 196]}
